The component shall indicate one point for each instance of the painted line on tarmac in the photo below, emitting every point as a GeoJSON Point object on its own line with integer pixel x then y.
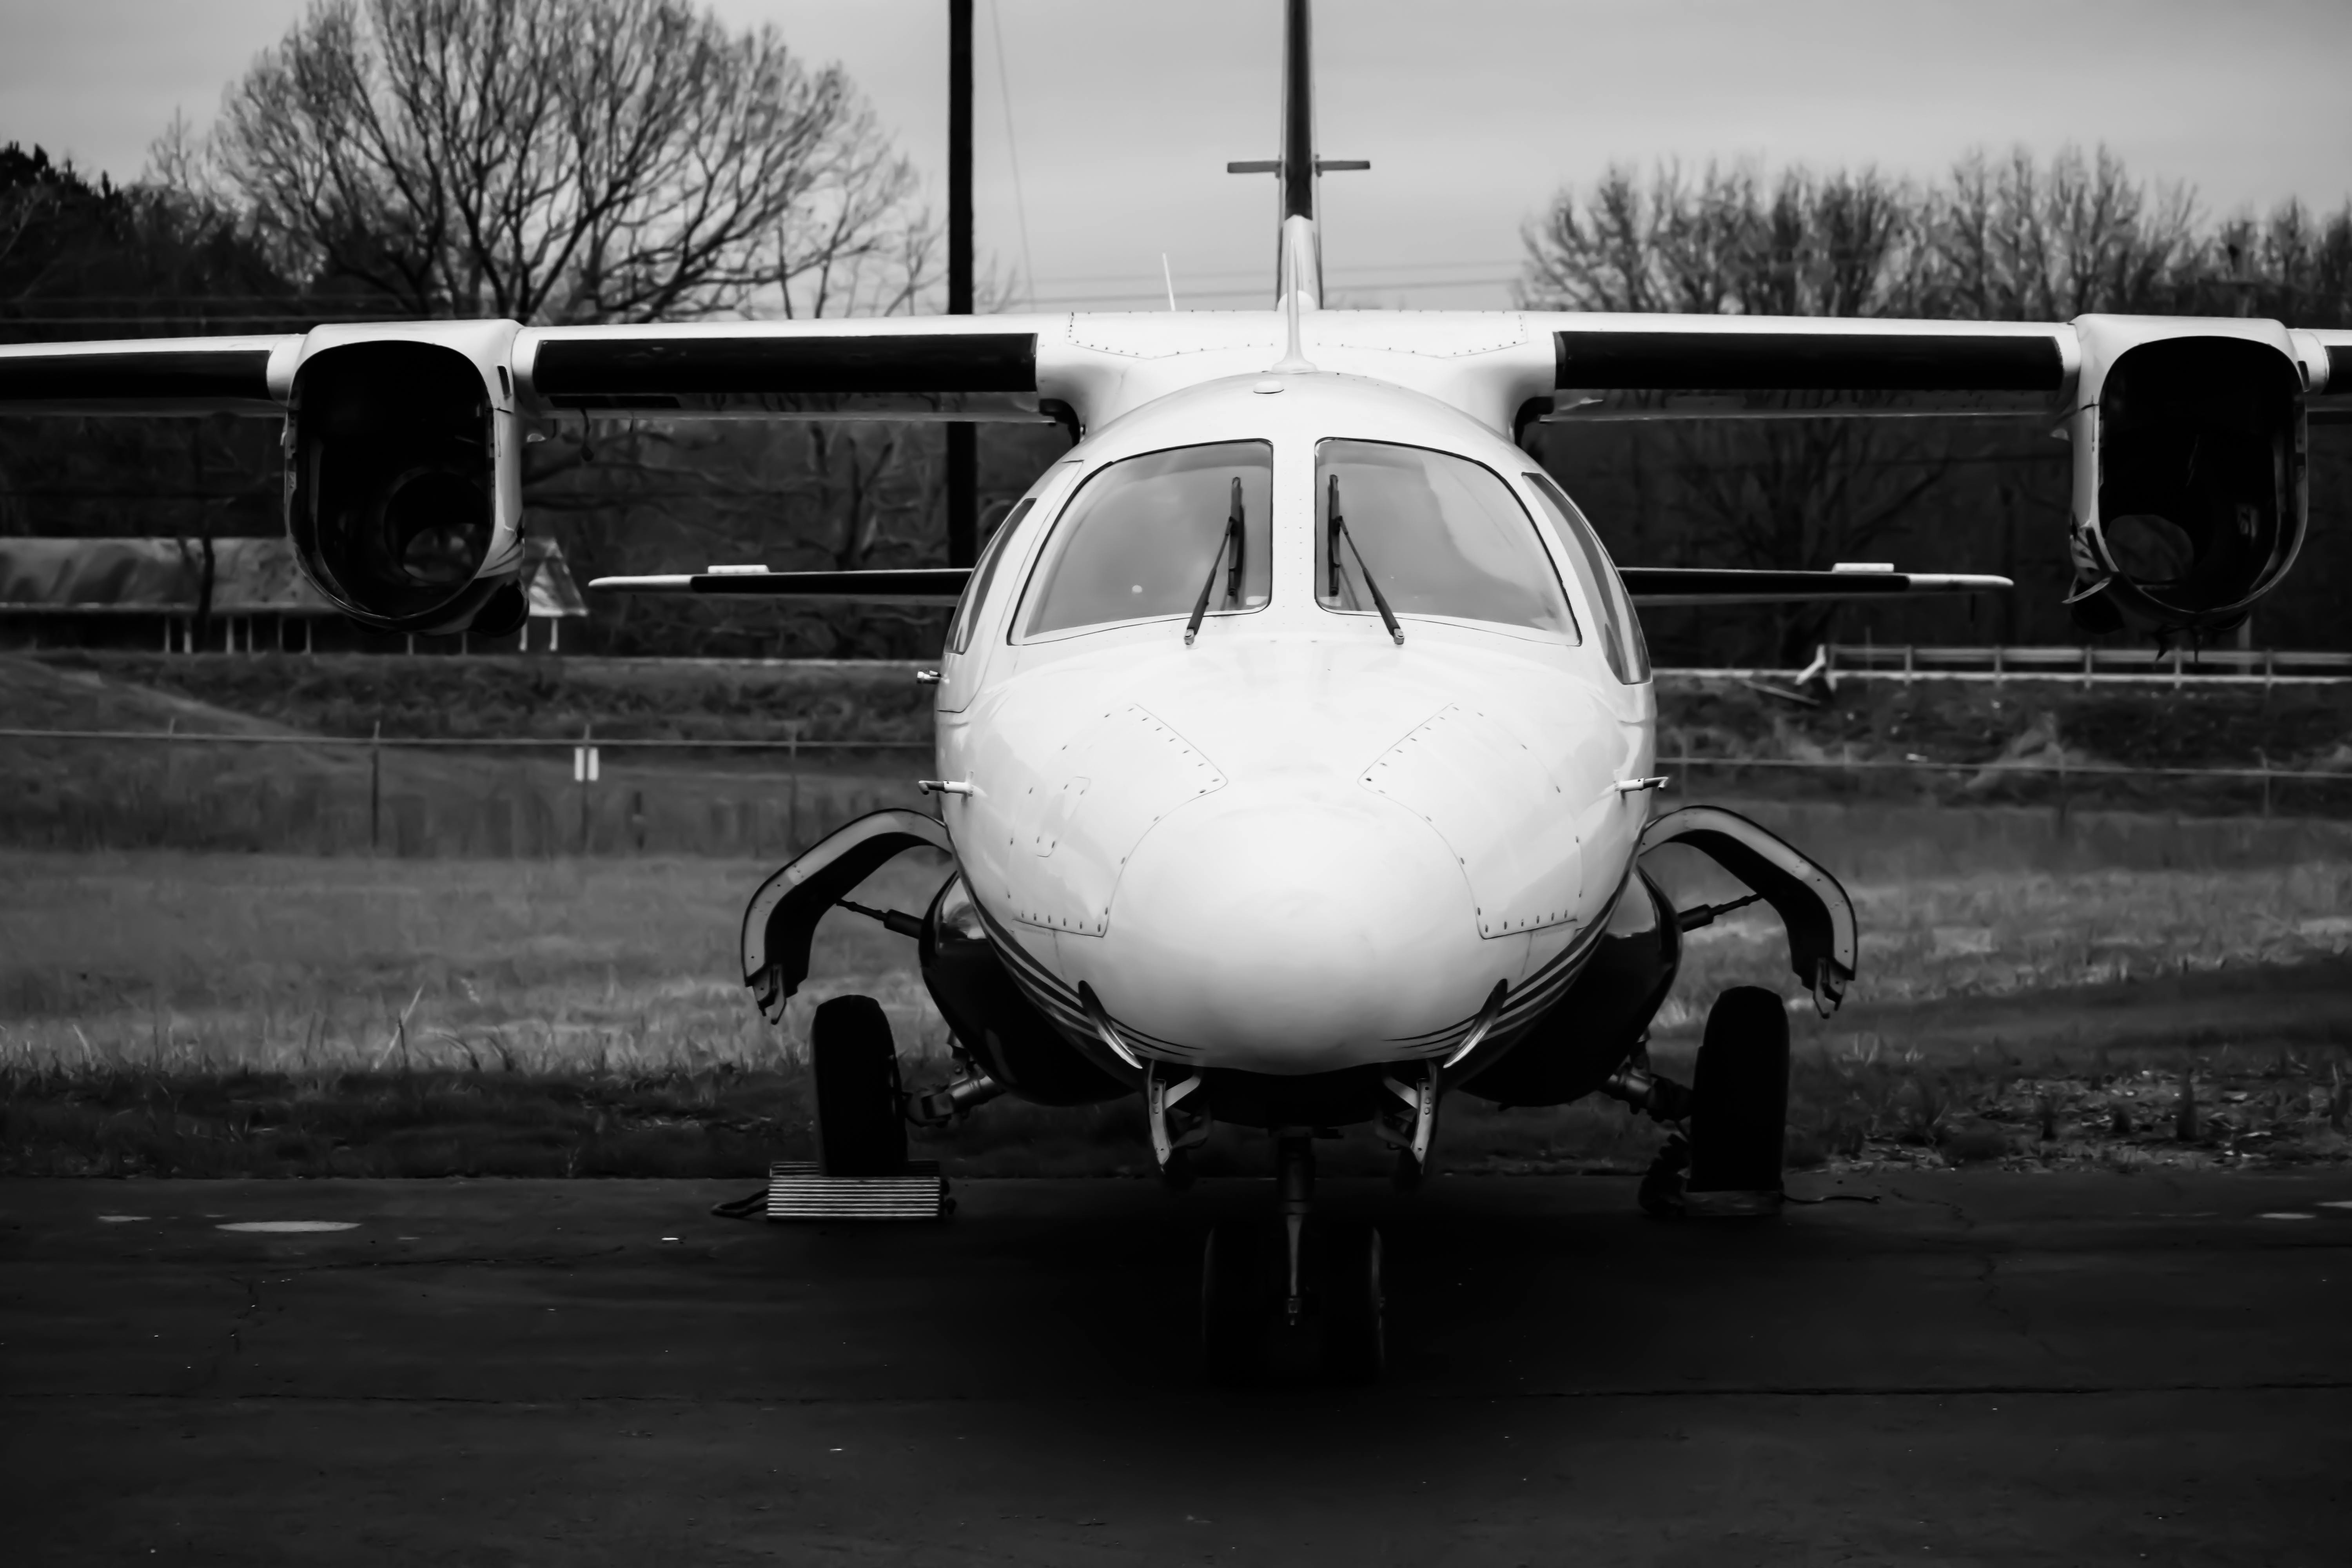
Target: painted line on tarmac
{"type": "Point", "coordinates": [288, 1226]}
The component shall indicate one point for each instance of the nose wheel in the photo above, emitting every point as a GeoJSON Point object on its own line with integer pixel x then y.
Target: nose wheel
{"type": "Point", "coordinates": [1303, 1295]}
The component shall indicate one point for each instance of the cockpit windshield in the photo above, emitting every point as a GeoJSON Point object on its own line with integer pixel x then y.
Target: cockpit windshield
{"type": "Point", "coordinates": [1142, 536]}
{"type": "Point", "coordinates": [1436, 534]}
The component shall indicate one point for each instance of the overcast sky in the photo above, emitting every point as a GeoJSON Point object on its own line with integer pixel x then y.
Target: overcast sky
{"type": "Point", "coordinates": [1473, 111]}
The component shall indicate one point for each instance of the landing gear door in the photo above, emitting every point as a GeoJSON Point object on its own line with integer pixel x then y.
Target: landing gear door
{"type": "Point", "coordinates": [779, 922]}
{"type": "Point", "coordinates": [1810, 901]}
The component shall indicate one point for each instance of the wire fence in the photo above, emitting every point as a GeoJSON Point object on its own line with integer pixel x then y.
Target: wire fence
{"type": "Point", "coordinates": [514, 795]}
{"type": "Point", "coordinates": [2180, 668]}
{"type": "Point", "coordinates": [496, 796]}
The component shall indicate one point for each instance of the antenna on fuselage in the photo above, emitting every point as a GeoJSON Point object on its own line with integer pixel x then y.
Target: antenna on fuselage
{"type": "Point", "coordinates": [1298, 249]}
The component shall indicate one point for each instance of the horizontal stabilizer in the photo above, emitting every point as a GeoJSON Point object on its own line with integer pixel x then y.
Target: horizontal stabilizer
{"type": "Point", "coordinates": [918, 585]}
{"type": "Point", "coordinates": [1673, 586]}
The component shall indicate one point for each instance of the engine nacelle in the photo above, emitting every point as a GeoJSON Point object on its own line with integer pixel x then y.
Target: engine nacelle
{"type": "Point", "coordinates": [403, 475]}
{"type": "Point", "coordinates": [2189, 501]}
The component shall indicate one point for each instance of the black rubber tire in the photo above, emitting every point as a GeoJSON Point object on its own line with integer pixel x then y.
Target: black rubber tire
{"type": "Point", "coordinates": [1740, 1094]}
{"type": "Point", "coordinates": [1355, 1305]}
{"type": "Point", "coordinates": [861, 1124]}
{"type": "Point", "coordinates": [1234, 1304]}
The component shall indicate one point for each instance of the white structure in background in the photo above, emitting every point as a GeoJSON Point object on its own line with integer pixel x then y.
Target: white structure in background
{"type": "Point", "coordinates": [147, 594]}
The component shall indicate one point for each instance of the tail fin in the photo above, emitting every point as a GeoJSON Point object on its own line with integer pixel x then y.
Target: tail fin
{"type": "Point", "coordinates": [1299, 248]}
{"type": "Point", "coordinates": [1298, 260]}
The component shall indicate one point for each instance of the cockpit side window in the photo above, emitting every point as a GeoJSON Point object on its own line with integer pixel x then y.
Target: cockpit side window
{"type": "Point", "coordinates": [1620, 628]}
{"type": "Point", "coordinates": [1437, 534]}
{"type": "Point", "coordinates": [975, 592]}
{"type": "Point", "coordinates": [1142, 535]}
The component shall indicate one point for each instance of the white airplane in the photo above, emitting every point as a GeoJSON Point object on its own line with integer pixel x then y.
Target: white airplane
{"type": "Point", "coordinates": [1295, 737]}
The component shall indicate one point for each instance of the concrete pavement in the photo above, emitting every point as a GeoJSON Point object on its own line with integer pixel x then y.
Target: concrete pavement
{"type": "Point", "coordinates": [1993, 1368]}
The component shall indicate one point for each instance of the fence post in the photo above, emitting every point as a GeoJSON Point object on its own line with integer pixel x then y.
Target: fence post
{"type": "Point", "coordinates": [2086, 667]}
{"type": "Point", "coordinates": [1906, 664]}
{"type": "Point", "coordinates": [1996, 664]}
{"type": "Point", "coordinates": [580, 769]}
{"type": "Point", "coordinates": [793, 788]}
{"type": "Point", "coordinates": [375, 788]}
{"type": "Point", "coordinates": [2270, 661]}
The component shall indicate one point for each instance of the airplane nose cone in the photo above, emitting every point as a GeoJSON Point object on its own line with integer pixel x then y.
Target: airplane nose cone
{"type": "Point", "coordinates": [1291, 929]}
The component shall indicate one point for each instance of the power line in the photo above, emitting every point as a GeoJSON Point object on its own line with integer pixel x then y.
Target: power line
{"type": "Point", "coordinates": [1013, 151]}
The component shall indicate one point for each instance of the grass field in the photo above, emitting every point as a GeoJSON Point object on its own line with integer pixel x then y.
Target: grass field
{"type": "Point", "coordinates": [233, 1013]}
{"type": "Point", "coordinates": [2037, 974]}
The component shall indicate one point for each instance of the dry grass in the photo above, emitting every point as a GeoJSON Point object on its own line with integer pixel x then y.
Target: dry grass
{"type": "Point", "coordinates": [212, 1013]}
{"type": "Point", "coordinates": [173, 961]}
{"type": "Point", "coordinates": [2000, 933]}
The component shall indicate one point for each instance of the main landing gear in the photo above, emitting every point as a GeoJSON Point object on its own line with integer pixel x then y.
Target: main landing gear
{"type": "Point", "coordinates": [1299, 1295]}
{"type": "Point", "coordinates": [861, 1130]}
{"type": "Point", "coordinates": [1736, 1112]}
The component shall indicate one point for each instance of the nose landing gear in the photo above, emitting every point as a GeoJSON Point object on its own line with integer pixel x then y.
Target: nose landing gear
{"type": "Point", "coordinates": [1305, 1295]}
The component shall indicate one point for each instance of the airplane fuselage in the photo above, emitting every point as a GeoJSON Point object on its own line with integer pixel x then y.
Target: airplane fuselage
{"type": "Point", "coordinates": [1296, 844]}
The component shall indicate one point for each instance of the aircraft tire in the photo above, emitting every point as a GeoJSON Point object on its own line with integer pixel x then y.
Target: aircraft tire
{"type": "Point", "coordinates": [1233, 1304]}
{"type": "Point", "coordinates": [860, 1124]}
{"type": "Point", "coordinates": [1739, 1097]}
{"type": "Point", "coordinates": [1355, 1307]}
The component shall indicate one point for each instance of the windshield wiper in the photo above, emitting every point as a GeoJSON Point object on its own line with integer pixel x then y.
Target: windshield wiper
{"type": "Point", "coordinates": [1338, 532]}
{"type": "Point", "coordinates": [1233, 543]}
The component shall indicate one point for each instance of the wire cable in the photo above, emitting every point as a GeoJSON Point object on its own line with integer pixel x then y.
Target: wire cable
{"type": "Point", "coordinates": [1013, 151]}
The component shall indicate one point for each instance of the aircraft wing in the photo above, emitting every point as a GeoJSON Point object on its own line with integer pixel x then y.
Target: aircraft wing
{"type": "Point", "coordinates": [150, 376]}
{"type": "Point", "coordinates": [963, 368]}
{"type": "Point", "coordinates": [1733, 354]}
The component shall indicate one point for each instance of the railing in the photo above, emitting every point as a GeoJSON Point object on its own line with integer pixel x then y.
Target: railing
{"type": "Point", "coordinates": [2179, 667]}
{"type": "Point", "coordinates": [513, 796]}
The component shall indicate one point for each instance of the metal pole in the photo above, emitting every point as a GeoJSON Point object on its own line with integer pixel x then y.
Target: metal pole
{"type": "Point", "coordinates": [375, 786]}
{"type": "Point", "coordinates": [963, 446]}
{"type": "Point", "coordinates": [587, 734]}
{"type": "Point", "coordinates": [793, 793]}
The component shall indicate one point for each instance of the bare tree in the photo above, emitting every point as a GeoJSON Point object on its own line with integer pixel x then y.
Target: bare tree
{"type": "Point", "coordinates": [2016, 240]}
{"type": "Point", "coordinates": [1724, 243]}
{"type": "Point", "coordinates": [557, 161]}
{"type": "Point", "coordinates": [1798, 493]}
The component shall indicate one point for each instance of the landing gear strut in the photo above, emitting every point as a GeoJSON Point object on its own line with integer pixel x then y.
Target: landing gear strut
{"type": "Point", "coordinates": [1309, 1291]}
{"type": "Point", "coordinates": [1174, 1134]}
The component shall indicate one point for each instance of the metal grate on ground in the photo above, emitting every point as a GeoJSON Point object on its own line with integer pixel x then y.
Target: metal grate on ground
{"type": "Point", "coordinates": [798, 1191]}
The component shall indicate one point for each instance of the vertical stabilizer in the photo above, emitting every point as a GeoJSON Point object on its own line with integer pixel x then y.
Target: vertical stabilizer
{"type": "Point", "coordinates": [1298, 265]}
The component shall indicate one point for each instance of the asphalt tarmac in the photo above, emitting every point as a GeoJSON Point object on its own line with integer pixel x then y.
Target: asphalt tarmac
{"type": "Point", "coordinates": [1974, 1368]}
